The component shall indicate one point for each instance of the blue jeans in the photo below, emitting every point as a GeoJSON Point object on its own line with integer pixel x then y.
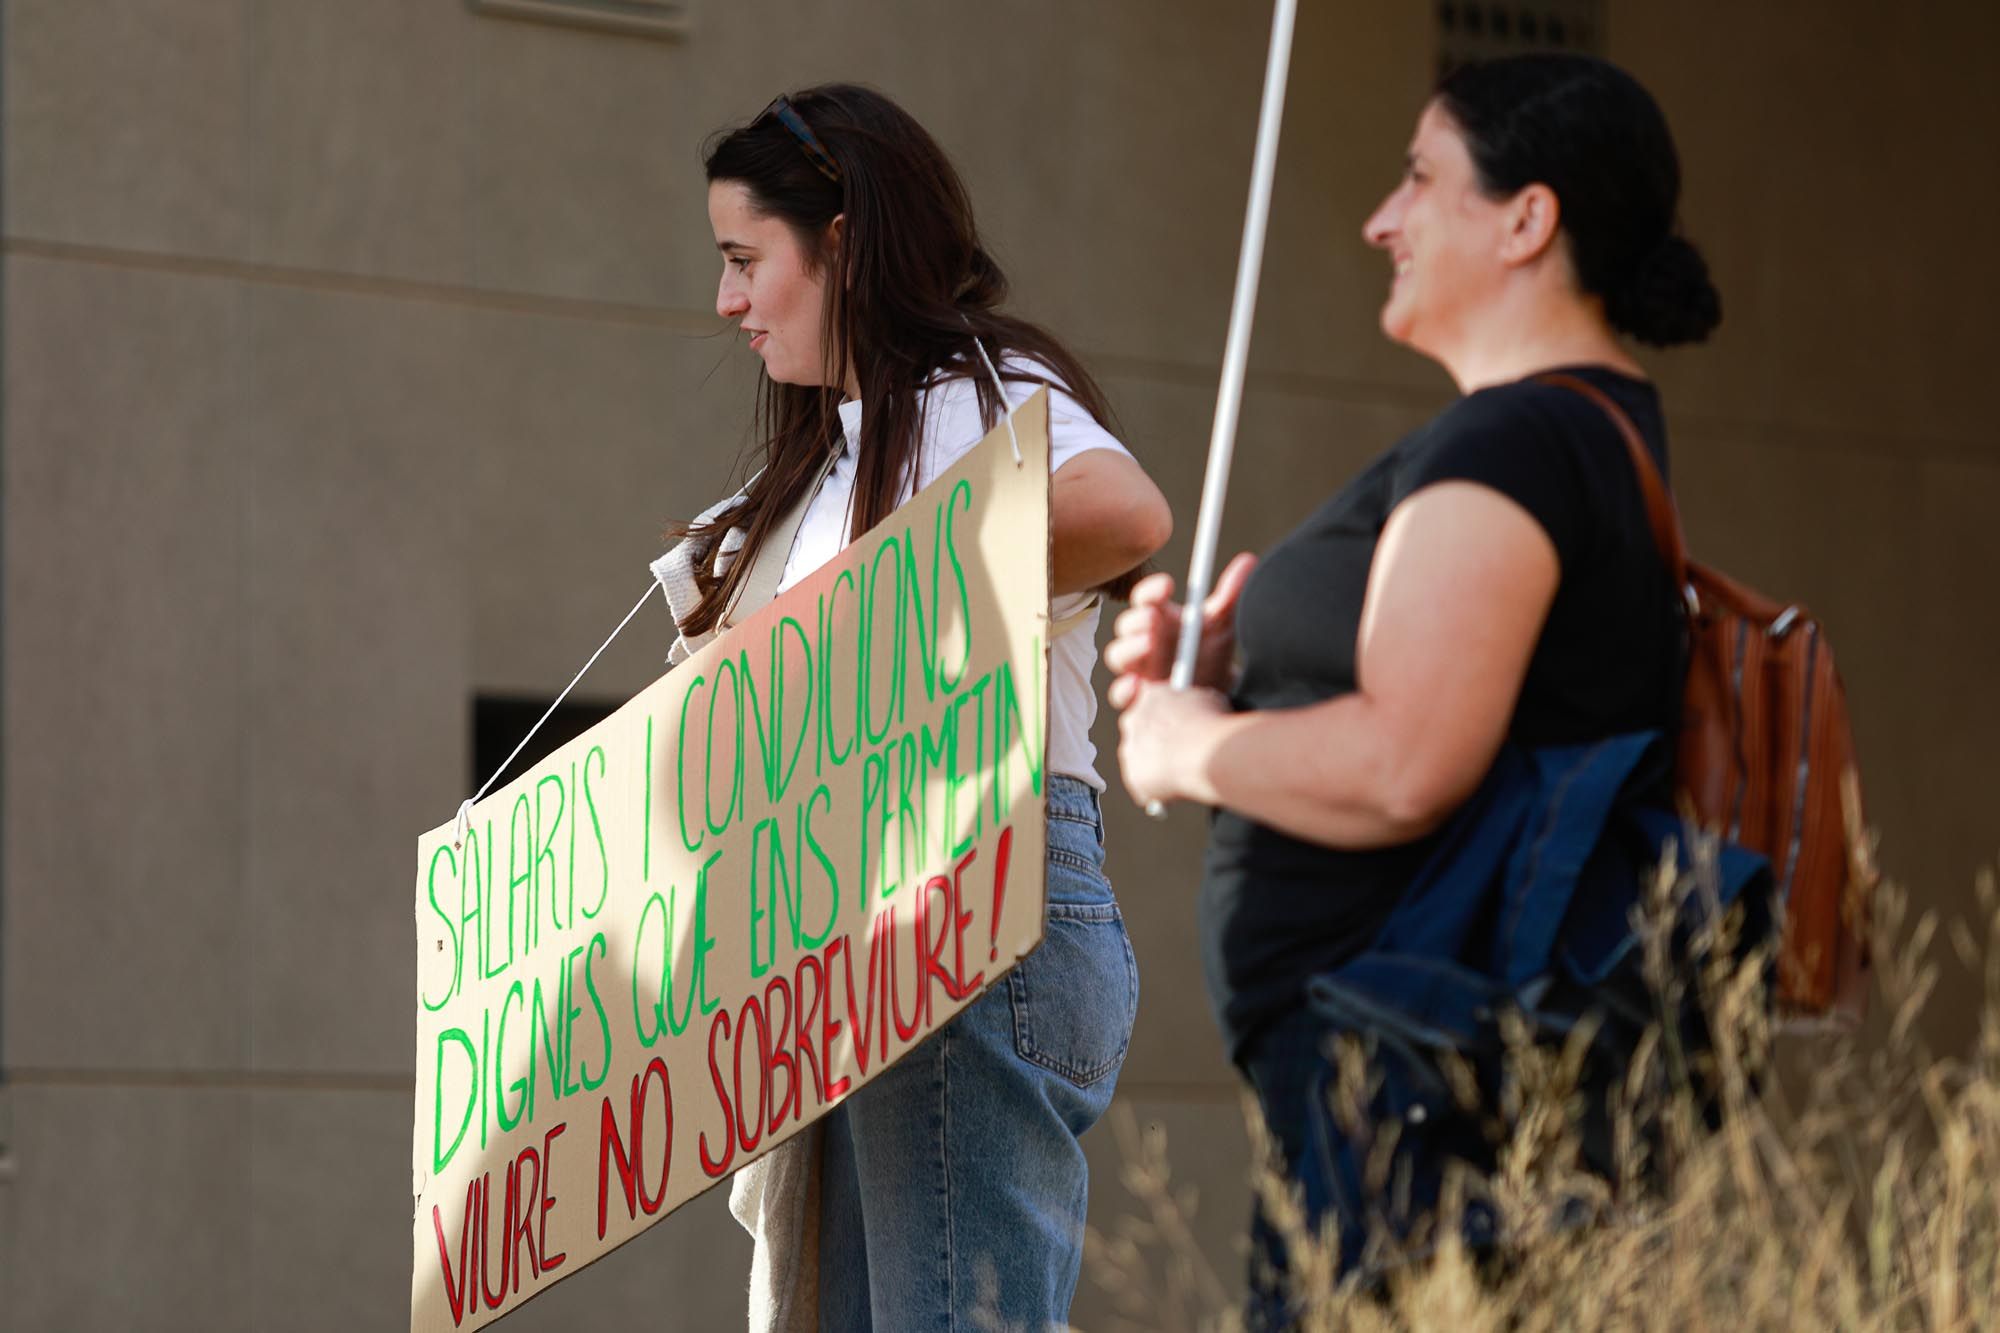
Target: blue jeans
{"type": "Point", "coordinates": [953, 1188]}
{"type": "Point", "coordinates": [1290, 1070]}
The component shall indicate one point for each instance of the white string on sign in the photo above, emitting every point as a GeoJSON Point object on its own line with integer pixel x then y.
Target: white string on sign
{"type": "Point", "coordinates": [464, 818]}
{"type": "Point", "coordinates": [1236, 353]}
{"type": "Point", "coordinates": [463, 821]}
{"type": "Point", "coordinates": [1001, 389]}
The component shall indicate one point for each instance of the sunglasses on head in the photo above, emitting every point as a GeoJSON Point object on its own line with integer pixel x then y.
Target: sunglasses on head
{"type": "Point", "coordinates": [789, 117]}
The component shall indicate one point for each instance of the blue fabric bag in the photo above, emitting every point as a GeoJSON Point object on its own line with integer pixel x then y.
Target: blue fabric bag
{"type": "Point", "coordinates": [1528, 905]}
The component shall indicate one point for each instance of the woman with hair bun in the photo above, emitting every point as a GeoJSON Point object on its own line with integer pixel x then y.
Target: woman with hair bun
{"type": "Point", "coordinates": [1491, 580]}
{"type": "Point", "coordinates": [951, 1187]}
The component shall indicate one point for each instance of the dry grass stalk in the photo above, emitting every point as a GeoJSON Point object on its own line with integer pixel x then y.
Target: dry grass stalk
{"type": "Point", "coordinates": [1861, 1191]}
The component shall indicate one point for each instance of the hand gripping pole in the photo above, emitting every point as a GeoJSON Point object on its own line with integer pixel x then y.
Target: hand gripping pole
{"type": "Point", "coordinates": [1236, 353]}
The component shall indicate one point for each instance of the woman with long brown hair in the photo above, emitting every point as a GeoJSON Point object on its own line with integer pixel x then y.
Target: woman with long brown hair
{"type": "Point", "coordinates": [952, 1183]}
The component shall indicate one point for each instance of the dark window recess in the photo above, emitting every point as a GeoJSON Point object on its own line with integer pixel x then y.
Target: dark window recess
{"type": "Point", "coordinates": [499, 721]}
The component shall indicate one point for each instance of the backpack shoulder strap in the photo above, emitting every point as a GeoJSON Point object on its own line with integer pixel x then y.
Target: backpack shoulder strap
{"type": "Point", "coordinates": [760, 581]}
{"type": "Point", "coordinates": [1661, 515]}
{"type": "Point", "coordinates": [767, 567]}
{"type": "Point", "coordinates": [1076, 619]}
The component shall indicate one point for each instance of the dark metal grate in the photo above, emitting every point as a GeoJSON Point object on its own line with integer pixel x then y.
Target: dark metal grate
{"type": "Point", "coordinates": [1470, 30]}
{"type": "Point", "coordinates": [666, 19]}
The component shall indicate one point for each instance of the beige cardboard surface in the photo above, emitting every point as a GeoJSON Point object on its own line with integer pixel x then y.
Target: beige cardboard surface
{"type": "Point", "coordinates": [697, 926]}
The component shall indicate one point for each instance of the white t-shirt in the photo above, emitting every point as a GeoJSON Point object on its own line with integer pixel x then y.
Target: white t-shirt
{"type": "Point", "coordinates": [951, 426]}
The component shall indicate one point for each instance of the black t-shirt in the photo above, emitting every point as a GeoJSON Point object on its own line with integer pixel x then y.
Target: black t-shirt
{"type": "Point", "coordinates": [1275, 910]}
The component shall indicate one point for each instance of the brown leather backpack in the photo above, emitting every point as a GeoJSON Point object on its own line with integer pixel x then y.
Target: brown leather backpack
{"type": "Point", "coordinates": [1766, 755]}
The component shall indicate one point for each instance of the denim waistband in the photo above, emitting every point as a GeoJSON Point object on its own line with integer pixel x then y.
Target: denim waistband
{"type": "Point", "coordinates": [1072, 798]}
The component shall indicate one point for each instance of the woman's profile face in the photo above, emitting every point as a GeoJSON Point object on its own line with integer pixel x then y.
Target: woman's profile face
{"type": "Point", "coordinates": [1444, 241]}
{"type": "Point", "coordinates": [767, 286]}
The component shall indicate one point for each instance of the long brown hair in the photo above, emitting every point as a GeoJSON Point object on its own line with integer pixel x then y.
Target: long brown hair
{"type": "Point", "coordinates": [908, 289]}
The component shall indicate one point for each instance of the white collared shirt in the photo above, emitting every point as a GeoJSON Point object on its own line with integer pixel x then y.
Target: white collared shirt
{"type": "Point", "coordinates": [951, 426]}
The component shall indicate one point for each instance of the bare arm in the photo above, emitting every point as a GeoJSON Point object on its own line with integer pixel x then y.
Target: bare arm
{"type": "Point", "coordinates": [1461, 584]}
{"type": "Point", "coordinates": [1105, 517]}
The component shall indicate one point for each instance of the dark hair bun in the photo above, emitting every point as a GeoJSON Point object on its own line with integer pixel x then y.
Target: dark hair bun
{"type": "Point", "coordinates": [1590, 133]}
{"type": "Point", "coordinates": [1669, 298]}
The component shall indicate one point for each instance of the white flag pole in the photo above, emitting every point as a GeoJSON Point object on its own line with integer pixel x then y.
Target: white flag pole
{"type": "Point", "coordinates": [1236, 353]}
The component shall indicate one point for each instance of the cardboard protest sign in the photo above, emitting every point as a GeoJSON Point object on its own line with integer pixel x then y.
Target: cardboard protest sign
{"type": "Point", "coordinates": [702, 923]}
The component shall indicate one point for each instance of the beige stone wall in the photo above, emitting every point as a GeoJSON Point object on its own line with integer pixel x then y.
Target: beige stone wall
{"type": "Point", "coordinates": [306, 302]}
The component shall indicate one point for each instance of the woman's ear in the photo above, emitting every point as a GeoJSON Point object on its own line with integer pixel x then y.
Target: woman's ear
{"type": "Point", "coordinates": [836, 236]}
{"type": "Point", "coordinates": [1534, 217]}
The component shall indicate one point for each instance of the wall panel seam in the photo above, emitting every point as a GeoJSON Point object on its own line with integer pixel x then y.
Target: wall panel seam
{"type": "Point", "coordinates": [1912, 446]}
{"type": "Point", "coordinates": [213, 1080]}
